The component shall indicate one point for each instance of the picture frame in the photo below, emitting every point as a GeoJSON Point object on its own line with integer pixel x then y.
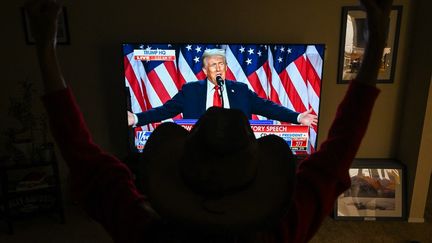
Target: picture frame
{"type": "Point", "coordinates": [63, 37]}
{"type": "Point", "coordinates": [354, 34]}
{"type": "Point", "coordinates": [377, 192]}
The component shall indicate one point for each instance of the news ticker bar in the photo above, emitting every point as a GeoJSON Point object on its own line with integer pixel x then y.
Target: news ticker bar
{"type": "Point", "coordinates": [296, 136]}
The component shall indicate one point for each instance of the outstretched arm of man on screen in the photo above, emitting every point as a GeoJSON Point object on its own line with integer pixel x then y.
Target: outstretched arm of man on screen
{"type": "Point", "coordinates": [187, 100]}
{"type": "Point", "coordinates": [307, 118]}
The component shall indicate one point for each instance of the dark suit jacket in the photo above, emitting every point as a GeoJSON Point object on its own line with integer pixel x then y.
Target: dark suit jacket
{"type": "Point", "coordinates": [191, 101]}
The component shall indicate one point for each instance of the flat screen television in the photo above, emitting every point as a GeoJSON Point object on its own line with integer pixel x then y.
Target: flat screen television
{"type": "Point", "coordinates": [287, 74]}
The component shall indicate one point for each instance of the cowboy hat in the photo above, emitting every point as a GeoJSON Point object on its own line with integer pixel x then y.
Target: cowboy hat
{"type": "Point", "coordinates": [218, 177]}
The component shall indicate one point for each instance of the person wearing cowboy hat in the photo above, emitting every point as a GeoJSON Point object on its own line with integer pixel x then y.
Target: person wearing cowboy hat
{"type": "Point", "coordinates": [216, 183]}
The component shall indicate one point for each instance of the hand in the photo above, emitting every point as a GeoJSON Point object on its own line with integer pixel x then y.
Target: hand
{"type": "Point", "coordinates": [378, 12]}
{"type": "Point", "coordinates": [131, 118]}
{"type": "Point", "coordinates": [43, 16]}
{"type": "Point", "coordinates": [308, 119]}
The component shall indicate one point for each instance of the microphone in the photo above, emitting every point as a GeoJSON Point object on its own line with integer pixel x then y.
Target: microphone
{"type": "Point", "coordinates": [219, 81]}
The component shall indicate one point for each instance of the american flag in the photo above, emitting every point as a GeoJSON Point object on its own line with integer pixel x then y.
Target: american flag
{"type": "Point", "coordinates": [289, 75]}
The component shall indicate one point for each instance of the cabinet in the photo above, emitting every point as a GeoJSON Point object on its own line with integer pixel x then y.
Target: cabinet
{"type": "Point", "coordinates": [29, 189]}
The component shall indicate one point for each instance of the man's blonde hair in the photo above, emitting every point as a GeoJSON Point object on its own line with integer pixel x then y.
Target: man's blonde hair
{"type": "Point", "coordinates": [213, 52]}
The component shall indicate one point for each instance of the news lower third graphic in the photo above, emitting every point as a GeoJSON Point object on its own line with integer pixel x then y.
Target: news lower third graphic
{"type": "Point", "coordinates": [141, 138]}
{"type": "Point", "coordinates": [296, 136]}
{"type": "Point", "coordinates": [154, 55]}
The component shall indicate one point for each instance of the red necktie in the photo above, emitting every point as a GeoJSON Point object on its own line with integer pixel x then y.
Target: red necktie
{"type": "Point", "coordinates": [216, 98]}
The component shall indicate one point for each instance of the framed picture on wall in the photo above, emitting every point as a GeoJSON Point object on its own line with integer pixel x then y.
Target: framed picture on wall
{"type": "Point", "coordinates": [354, 35]}
{"type": "Point", "coordinates": [377, 191]}
{"type": "Point", "coordinates": [62, 30]}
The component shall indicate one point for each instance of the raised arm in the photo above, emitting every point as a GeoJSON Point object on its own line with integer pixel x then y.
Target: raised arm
{"type": "Point", "coordinates": [101, 183]}
{"type": "Point", "coordinates": [323, 176]}
{"type": "Point", "coordinates": [378, 12]}
{"type": "Point", "coordinates": [43, 19]}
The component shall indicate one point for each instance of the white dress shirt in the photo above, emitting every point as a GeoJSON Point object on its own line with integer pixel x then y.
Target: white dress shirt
{"type": "Point", "coordinates": [210, 93]}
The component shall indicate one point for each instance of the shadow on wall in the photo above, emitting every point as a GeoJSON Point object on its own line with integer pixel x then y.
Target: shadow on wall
{"type": "Point", "coordinates": [113, 93]}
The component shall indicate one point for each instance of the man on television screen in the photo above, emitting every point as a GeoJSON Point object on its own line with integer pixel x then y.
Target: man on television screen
{"type": "Point", "coordinates": [196, 97]}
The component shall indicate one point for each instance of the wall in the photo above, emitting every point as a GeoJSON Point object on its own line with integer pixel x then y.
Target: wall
{"type": "Point", "coordinates": [414, 144]}
{"type": "Point", "coordinates": [421, 172]}
{"type": "Point", "coordinates": [92, 63]}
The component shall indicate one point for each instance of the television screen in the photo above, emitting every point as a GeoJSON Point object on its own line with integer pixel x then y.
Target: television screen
{"type": "Point", "coordinates": [286, 74]}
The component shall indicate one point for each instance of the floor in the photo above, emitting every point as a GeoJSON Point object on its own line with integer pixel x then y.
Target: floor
{"type": "Point", "coordinates": [80, 228]}
{"type": "Point", "coordinates": [48, 229]}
